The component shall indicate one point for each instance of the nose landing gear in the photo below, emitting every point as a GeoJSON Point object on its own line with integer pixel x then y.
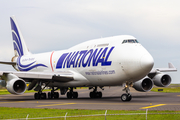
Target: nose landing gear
{"type": "Point", "coordinates": [127, 96]}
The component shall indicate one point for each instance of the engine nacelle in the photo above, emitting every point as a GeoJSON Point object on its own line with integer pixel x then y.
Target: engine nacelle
{"type": "Point", "coordinates": [162, 80]}
{"type": "Point", "coordinates": [144, 85]}
{"type": "Point", "coordinates": [15, 85]}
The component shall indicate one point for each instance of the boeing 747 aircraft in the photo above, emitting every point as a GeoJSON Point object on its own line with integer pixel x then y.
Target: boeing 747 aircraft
{"type": "Point", "coordinates": [112, 61]}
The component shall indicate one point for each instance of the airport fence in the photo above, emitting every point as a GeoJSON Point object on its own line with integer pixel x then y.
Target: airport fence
{"type": "Point", "coordinates": [72, 116]}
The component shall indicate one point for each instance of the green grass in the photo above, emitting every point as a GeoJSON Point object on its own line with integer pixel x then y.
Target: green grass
{"type": "Point", "coordinates": [14, 113]}
{"type": "Point", "coordinates": [173, 88]}
{"type": "Point", "coordinates": [167, 90]}
{"type": "Point", "coordinates": [5, 92]}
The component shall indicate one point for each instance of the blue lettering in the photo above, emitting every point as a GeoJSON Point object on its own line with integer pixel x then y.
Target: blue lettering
{"type": "Point", "coordinates": [107, 63]}
{"type": "Point", "coordinates": [101, 57]}
{"type": "Point", "coordinates": [60, 61]}
{"type": "Point", "coordinates": [94, 57]}
{"type": "Point", "coordinates": [67, 61]}
{"type": "Point", "coordinates": [80, 60]}
{"type": "Point", "coordinates": [84, 64]}
{"type": "Point", "coordinates": [73, 60]}
{"type": "Point", "coordinates": [84, 58]}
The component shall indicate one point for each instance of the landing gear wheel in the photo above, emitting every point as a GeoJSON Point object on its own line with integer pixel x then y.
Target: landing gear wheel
{"type": "Point", "coordinates": [43, 95]}
{"type": "Point", "coordinates": [75, 94]}
{"type": "Point", "coordinates": [95, 94]}
{"type": "Point", "coordinates": [49, 95]}
{"type": "Point", "coordinates": [126, 97]}
{"type": "Point", "coordinates": [56, 95]}
{"type": "Point", "coordinates": [37, 96]}
{"type": "Point", "coordinates": [72, 95]}
{"type": "Point", "coordinates": [91, 94]}
{"type": "Point", "coordinates": [40, 95]}
{"type": "Point", "coordinates": [129, 97]}
{"type": "Point", "coordinates": [99, 94]}
{"type": "Point", "coordinates": [69, 95]}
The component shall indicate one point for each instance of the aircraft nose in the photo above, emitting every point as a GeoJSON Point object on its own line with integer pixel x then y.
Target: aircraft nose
{"type": "Point", "coordinates": [147, 62]}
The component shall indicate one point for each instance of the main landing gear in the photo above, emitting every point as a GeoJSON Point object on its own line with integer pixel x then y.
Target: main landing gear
{"type": "Point", "coordinates": [72, 94]}
{"type": "Point", "coordinates": [95, 94]}
{"type": "Point", "coordinates": [51, 95]}
{"type": "Point", "coordinates": [127, 96]}
{"type": "Point", "coordinates": [41, 95]}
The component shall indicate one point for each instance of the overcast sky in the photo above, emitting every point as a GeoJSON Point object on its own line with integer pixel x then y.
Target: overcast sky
{"type": "Point", "coordinates": [49, 25]}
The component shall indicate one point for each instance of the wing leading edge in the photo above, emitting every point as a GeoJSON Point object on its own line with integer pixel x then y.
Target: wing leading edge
{"type": "Point", "coordinates": [64, 76]}
{"type": "Point", "coordinates": [170, 68]}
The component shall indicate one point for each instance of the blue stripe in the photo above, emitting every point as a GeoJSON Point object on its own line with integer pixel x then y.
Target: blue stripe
{"type": "Point", "coordinates": [28, 66]}
{"type": "Point", "coordinates": [27, 69]}
{"type": "Point", "coordinates": [17, 38]}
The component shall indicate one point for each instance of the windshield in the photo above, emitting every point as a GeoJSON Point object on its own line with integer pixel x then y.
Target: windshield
{"type": "Point", "coordinates": [130, 41]}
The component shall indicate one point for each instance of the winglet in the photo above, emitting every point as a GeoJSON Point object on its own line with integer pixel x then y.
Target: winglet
{"type": "Point", "coordinates": [171, 65]}
{"type": "Point", "coordinates": [170, 68]}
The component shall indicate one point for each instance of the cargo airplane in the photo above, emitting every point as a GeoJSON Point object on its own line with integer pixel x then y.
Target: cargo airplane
{"type": "Point", "coordinates": [112, 61]}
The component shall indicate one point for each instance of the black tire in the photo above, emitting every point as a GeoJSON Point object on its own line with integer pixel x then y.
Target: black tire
{"type": "Point", "coordinates": [92, 95]}
{"type": "Point", "coordinates": [75, 94]}
{"type": "Point", "coordinates": [124, 97]}
{"type": "Point", "coordinates": [37, 96]}
{"type": "Point", "coordinates": [56, 95]}
{"type": "Point", "coordinates": [99, 94]}
{"type": "Point", "coordinates": [43, 95]}
{"type": "Point", "coordinates": [49, 95]}
{"type": "Point", "coordinates": [129, 97]}
{"type": "Point", "coordinates": [69, 95]}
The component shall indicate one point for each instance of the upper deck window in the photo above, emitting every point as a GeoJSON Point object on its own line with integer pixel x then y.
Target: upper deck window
{"type": "Point", "coordinates": [130, 41]}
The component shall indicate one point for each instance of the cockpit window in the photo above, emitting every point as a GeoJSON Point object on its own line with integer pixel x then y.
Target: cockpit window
{"type": "Point", "coordinates": [130, 41]}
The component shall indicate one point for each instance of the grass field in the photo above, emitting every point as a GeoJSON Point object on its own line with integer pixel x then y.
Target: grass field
{"type": "Point", "coordinates": [4, 91]}
{"type": "Point", "coordinates": [170, 89]}
{"type": "Point", "coordinates": [14, 113]}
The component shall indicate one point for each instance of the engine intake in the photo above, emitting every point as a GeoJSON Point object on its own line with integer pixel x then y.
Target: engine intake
{"type": "Point", "coordinates": [162, 80]}
{"type": "Point", "coordinates": [15, 85]}
{"type": "Point", "coordinates": [144, 85]}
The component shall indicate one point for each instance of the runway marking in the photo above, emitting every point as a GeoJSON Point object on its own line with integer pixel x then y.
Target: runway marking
{"type": "Point", "coordinates": [152, 106]}
{"type": "Point", "coordinates": [55, 104]}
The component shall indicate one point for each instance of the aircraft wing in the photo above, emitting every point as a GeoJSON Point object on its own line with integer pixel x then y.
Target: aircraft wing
{"type": "Point", "coordinates": [63, 76]}
{"type": "Point", "coordinates": [170, 68]}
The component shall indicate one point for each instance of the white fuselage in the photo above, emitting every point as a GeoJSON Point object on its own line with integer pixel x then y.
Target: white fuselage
{"type": "Point", "coordinates": [99, 62]}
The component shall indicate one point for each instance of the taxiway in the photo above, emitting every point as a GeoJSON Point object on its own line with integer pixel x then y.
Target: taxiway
{"type": "Point", "coordinates": [110, 101]}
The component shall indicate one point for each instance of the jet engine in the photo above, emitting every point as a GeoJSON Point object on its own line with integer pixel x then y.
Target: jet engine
{"type": "Point", "coordinates": [15, 85]}
{"type": "Point", "coordinates": [162, 80]}
{"type": "Point", "coordinates": [144, 85]}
